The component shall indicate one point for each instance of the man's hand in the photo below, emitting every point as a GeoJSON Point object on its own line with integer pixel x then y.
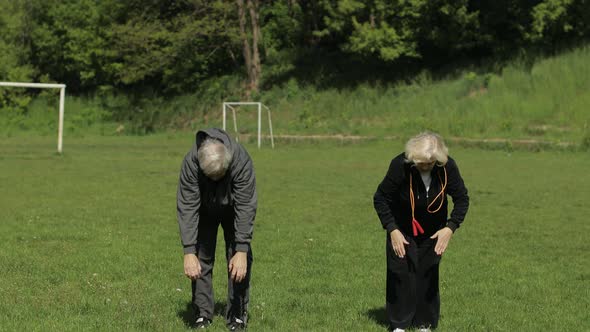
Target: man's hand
{"type": "Point", "coordinates": [238, 266]}
{"type": "Point", "coordinates": [192, 267]}
{"type": "Point", "coordinates": [443, 237]}
{"type": "Point", "coordinates": [398, 242]}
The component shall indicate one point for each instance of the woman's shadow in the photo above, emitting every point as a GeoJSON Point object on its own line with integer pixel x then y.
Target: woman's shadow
{"type": "Point", "coordinates": [189, 314]}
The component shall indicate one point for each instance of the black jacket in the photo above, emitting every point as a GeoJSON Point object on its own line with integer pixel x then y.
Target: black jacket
{"type": "Point", "coordinates": [197, 193]}
{"type": "Point", "coordinates": [392, 199]}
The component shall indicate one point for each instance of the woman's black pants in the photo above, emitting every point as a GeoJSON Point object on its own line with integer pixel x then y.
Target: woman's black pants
{"type": "Point", "coordinates": [412, 297]}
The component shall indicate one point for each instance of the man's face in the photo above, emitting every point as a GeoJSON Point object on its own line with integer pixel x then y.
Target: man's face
{"type": "Point", "coordinates": [216, 177]}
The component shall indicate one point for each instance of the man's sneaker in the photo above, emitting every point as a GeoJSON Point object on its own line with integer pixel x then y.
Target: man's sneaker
{"type": "Point", "coordinates": [236, 325]}
{"type": "Point", "coordinates": [424, 329]}
{"type": "Point", "coordinates": [202, 323]}
{"type": "Point", "coordinates": [398, 330]}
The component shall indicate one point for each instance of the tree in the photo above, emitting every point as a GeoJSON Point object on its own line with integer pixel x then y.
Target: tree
{"type": "Point", "coordinates": [14, 55]}
{"type": "Point", "coordinates": [250, 50]}
{"type": "Point", "coordinates": [557, 20]}
{"type": "Point", "coordinates": [68, 42]}
{"type": "Point", "coordinates": [447, 30]}
{"type": "Point", "coordinates": [376, 28]}
{"type": "Point", "coordinates": [172, 46]}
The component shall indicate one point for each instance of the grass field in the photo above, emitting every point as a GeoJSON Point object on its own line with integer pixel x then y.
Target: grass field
{"type": "Point", "coordinates": [89, 240]}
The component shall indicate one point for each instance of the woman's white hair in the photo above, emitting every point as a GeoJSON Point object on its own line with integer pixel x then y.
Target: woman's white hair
{"type": "Point", "coordinates": [214, 158]}
{"type": "Point", "coordinates": [427, 147]}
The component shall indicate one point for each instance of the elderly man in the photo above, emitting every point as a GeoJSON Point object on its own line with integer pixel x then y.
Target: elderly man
{"type": "Point", "coordinates": [217, 186]}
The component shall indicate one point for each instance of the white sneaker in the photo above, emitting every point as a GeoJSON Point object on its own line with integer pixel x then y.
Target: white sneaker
{"type": "Point", "coordinates": [398, 330]}
{"type": "Point", "coordinates": [424, 329]}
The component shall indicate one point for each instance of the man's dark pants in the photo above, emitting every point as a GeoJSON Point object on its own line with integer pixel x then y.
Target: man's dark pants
{"type": "Point", "coordinates": [412, 296]}
{"type": "Point", "coordinates": [238, 293]}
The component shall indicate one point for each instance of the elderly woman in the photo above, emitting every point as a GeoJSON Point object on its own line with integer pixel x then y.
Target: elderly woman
{"type": "Point", "coordinates": [411, 202]}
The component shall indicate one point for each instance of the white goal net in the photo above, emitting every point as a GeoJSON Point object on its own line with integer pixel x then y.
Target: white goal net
{"type": "Point", "coordinates": [232, 106]}
{"type": "Point", "coordinates": [62, 96]}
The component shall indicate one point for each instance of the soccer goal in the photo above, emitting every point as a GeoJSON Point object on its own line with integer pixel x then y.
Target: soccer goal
{"type": "Point", "coordinates": [232, 106]}
{"type": "Point", "coordinates": [62, 96]}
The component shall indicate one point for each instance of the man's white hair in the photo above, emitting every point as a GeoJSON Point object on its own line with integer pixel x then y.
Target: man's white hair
{"type": "Point", "coordinates": [214, 158]}
{"type": "Point", "coordinates": [427, 147]}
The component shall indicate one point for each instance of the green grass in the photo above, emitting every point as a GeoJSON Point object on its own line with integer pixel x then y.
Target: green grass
{"type": "Point", "coordinates": [544, 102]}
{"type": "Point", "coordinates": [89, 240]}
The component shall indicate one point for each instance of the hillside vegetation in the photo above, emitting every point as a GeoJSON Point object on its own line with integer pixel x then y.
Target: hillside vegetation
{"type": "Point", "coordinates": [545, 101]}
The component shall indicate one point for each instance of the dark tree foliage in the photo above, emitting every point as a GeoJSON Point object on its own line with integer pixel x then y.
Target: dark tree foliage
{"type": "Point", "coordinates": [170, 47]}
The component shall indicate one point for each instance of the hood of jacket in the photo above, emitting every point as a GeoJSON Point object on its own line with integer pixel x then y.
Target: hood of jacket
{"type": "Point", "coordinates": [216, 133]}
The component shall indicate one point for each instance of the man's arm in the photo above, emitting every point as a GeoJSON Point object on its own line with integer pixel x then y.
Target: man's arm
{"type": "Point", "coordinates": [245, 203]}
{"type": "Point", "coordinates": [188, 202]}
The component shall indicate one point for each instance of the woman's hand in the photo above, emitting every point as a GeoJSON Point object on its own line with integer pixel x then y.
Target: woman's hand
{"type": "Point", "coordinates": [442, 237]}
{"type": "Point", "coordinates": [398, 242]}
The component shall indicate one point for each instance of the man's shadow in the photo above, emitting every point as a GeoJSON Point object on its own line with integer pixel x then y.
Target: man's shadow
{"type": "Point", "coordinates": [189, 314]}
{"type": "Point", "coordinates": [378, 315]}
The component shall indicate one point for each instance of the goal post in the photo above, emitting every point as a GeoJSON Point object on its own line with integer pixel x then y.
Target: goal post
{"type": "Point", "coordinates": [62, 96]}
{"type": "Point", "coordinates": [230, 105]}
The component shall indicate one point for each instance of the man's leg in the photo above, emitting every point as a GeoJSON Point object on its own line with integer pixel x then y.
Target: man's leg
{"type": "Point", "coordinates": [238, 293]}
{"type": "Point", "coordinates": [401, 286]}
{"type": "Point", "coordinates": [427, 287]}
{"type": "Point", "coordinates": [203, 287]}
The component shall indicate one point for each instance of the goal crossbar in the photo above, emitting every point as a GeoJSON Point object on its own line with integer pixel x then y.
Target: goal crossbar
{"type": "Point", "coordinates": [62, 94]}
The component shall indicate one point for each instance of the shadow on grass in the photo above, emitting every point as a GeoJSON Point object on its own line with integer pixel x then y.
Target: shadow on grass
{"type": "Point", "coordinates": [378, 315]}
{"type": "Point", "coordinates": [189, 314]}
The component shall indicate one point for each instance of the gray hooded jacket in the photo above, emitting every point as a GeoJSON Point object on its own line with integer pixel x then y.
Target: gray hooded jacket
{"type": "Point", "coordinates": [197, 193]}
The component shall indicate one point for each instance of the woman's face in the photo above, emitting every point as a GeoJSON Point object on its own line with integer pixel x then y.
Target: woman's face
{"type": "Point", "coordinates": [425, 166]}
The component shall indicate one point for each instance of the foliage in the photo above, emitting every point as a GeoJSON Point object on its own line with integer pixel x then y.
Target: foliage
{"type": "Point", "coordinates": [68, 42]}
{"type": "Point", "coordinates": [447, 30]}
{"type": "Point", "coordinates": [558, 20]}
{"type": "Point", "coordinates": [148, 53]}
{"type": "Point", "coordinates": [385, 29]}
{"type": "Point", "coordinates": [164, 46]}
{"type": "Point", "coordinates": [13, 52]}
{"type": "Point", "coordinates": [545, 101]}
{"type": "Point", "coordinates": [172, 47]}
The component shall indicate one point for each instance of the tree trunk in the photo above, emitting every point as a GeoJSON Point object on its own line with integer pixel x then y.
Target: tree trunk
{"type": "Point", "coordinates": [256, 68]}
{"type": "Point", "coordinates": [245, 44]}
